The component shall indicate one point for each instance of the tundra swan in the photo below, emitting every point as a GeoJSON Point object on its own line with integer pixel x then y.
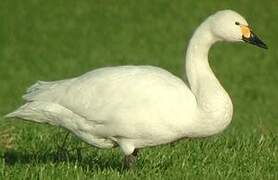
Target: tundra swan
{"type": "Point", "coordinates": [139, 106]}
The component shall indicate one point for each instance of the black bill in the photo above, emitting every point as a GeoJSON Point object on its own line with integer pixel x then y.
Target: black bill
{"type": "Point", "coordinates": [253, 39]}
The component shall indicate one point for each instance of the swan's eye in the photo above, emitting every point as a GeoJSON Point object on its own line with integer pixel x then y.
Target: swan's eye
{"type": "Point", "coordinates": [237, 23]}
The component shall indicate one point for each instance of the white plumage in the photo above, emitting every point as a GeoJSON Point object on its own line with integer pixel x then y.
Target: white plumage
{"type": "Point", "coordinates": [138, 106]}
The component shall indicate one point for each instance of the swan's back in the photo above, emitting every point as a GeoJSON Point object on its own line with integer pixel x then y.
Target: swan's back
{"type": "Point", "coordinates": [110, 85]}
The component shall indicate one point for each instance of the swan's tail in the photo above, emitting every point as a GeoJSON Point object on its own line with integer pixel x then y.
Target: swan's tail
{"type": "Point", "coordinates": [34, 111]}
{"type": "Point", "coordinates": [41, 103]}
{"type": "Point", "coordinates": [46, 112]}
{"type": "Point", "coordinates": [41, 90]}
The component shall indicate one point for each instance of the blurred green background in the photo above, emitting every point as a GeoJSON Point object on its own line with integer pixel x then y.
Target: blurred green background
{"type": "Point", "coordinates": [52, 40]}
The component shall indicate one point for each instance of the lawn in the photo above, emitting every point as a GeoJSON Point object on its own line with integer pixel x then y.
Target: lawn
{"type": "Point", "coordinates": [51, 40]}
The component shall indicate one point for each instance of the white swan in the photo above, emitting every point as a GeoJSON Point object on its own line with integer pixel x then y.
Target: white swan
{"type": "Point", "coordinates": [138, 106]}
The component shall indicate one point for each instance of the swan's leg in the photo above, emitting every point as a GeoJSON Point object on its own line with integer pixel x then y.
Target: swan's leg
{"type": "Point", "coordinates": [130, 152]}
{"type": "Point", "coordinates": [61, 148]}
{"type": "Point", "coordinates": [62, 152]}
{"type": "Point", "coordinates": [64, 141]}
{"type": "Point", "coordinates": [130, 160]}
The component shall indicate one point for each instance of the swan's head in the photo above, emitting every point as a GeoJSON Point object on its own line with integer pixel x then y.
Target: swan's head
{"type": "Point", "coordinates": [228, 25]}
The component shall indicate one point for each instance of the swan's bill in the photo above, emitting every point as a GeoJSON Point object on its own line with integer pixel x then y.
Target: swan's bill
{"type": "Point", "coordinates": [252, 38]}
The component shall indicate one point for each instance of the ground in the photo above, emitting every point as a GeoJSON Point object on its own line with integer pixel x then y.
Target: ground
{"type": "Point", "coordinates": [51, 40]}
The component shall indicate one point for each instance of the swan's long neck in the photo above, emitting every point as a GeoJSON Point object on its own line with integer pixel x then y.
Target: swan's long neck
{"type": "Point", "coordinates": [213, 103]}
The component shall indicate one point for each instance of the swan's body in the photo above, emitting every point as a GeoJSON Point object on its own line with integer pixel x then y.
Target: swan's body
{"type": "Point", "coordinates": [139, 106]}
{"type": "Point", "coordinates": [144, 105]}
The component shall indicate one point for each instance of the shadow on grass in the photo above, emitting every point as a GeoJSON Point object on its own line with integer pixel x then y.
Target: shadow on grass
{"type": "Point", "coordinates": [97, 162]}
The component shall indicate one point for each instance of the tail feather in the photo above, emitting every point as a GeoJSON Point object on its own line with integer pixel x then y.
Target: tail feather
{"type": "Point", "coordinates": [29, 111]}
{"type": "Point", "coordinates": [47, 112]}
{"type": "Point", "coordinates": [37, 89]}
{"type": "Point", "coordinates": [47, 91]}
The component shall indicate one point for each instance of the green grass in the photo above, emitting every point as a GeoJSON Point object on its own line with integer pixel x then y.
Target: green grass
{"type": "Point", "coordinates": [50, 40]}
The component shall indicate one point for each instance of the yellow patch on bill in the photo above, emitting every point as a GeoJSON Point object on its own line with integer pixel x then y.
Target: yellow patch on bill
{"type": "Point", "coordinates": [246, 32]}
